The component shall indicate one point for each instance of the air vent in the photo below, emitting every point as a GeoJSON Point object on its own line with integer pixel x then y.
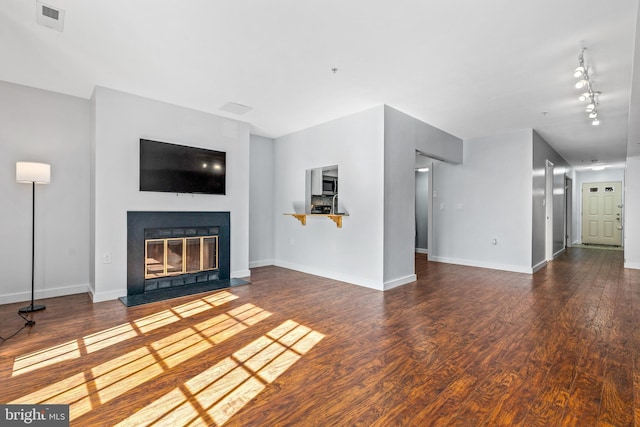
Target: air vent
{"type": "Point", "coordinates": [235, 108]}
{"type": "Point", "coordinates": [51, 13]}
{"type": "Point", "coordinates": [49, 16]}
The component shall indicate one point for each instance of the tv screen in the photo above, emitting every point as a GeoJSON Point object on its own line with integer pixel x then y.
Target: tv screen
{"type": "Point", "coordinates": [176, 168]}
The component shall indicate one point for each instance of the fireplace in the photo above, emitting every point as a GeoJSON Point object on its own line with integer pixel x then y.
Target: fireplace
{"type": "Point", "coordinates": [176, 253]}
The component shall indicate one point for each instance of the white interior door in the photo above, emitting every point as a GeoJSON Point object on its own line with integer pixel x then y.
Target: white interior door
{"type": "Point", "coordinates": [568, 211]}
{"type": "Point", "coordinates": [548, 211]}
{"type": "Point", "coordinates": [602, 213]}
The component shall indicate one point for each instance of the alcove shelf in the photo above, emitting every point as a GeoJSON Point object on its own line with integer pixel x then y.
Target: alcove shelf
{"type": "Point", "coordinates": [337, 218]}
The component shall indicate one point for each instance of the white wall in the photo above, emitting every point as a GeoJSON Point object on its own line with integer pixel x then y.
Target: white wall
{"type": "Point", "coordinates": [403, 135]}
{"type": "Point", "coordinates": [37, 125]}
{"type": "Point", "coordinates": [632, 214]}
{"type": "Point", "coordinates": [589, 176]}
{"type": "Point", "coordinates": [353, 253]}
{"type": "Point", "coordinates": [261, 215]}
{"type": "Point", "coordinates": [120, 121]}
{"type": "Point", "coordinates": [487, 197]}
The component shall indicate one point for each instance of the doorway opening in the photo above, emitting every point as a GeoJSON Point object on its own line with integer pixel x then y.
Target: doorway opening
{"type": "Point", "coordinates": [424, 172]}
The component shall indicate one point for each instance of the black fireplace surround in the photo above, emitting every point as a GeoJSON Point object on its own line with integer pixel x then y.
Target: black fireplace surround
{"type": "Point", "coordinates": [141, 224]}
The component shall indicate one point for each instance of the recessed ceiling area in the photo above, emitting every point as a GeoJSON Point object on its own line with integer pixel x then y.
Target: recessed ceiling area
{"type": "Point", "coordinates": [469, 68]}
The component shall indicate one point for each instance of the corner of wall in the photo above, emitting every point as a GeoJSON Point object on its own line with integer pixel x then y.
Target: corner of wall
{"type": "Point", "coordinates": [400, 281]}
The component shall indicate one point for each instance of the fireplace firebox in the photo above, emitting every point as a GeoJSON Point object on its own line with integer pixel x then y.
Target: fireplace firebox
{"type": "Point", "coordinates": [172, 256]}
{"type": "Point", "coordinates": [179, 256]}
{"type": "Point", "coordinates": [176, 252]}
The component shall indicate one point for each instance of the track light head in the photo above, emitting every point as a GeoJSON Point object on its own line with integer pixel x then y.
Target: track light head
{"type": "Point", "coordinates": [582, 83]}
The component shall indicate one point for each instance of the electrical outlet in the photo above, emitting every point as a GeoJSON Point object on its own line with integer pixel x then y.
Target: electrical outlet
{"type": "Point", "coordinates": [106, 258]}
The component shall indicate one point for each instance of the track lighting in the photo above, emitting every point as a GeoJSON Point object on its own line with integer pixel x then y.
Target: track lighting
{"type": "Point", "coordinates": [582, 73]}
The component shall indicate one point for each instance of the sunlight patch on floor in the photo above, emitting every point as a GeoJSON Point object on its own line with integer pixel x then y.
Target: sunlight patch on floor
{"type": "Point", "coordinates": [40, 359]}
{"type": "Point", "coordinates": [108, 337]}
{"type": "Point", "coordinates": [109, 380]}
{"type": "Point", "coordinates": [216, 394]}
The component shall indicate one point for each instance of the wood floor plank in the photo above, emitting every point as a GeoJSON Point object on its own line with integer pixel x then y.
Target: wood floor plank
{"type": "Point", "coordinates": [461, 346]}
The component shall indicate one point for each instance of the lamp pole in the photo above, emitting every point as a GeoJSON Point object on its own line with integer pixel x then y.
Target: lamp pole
{"type": "Point", "coordinates": [32, 307]}
{"type": "Point", "coordinates": [33, 173]}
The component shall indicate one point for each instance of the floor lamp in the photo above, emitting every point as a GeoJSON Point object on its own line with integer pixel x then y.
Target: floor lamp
{"type": "Point", "coordinates": [33, 173]}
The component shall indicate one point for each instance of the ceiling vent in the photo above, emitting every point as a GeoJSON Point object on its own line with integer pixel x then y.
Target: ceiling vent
{"type": "Point", "coordinates": [235, 108]}
{"type": "Point", "coordinates": [50, 17]}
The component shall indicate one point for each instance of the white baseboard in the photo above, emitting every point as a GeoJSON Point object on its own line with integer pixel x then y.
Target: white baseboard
{"type": "Point", "coordinates": [539, 266]}
{"type": "Point", "coordinates": [240, 274]}
{"type": "Point", "coordinates": [483, 264]}
{"type": "Point", "coordinates": [422, 251]}
{"type": "Point", "coordinates": [46, 293]}
{"type": "Point", "coordinates": [399, 282]}
{"type": "Point", "coordinates": [367, 283]}
{"type": "Point", "coordinates": [261, 263]}
{"type": "Point", "coordinates": [390, 284]}
{"type": "Point", "coordinates": [560, 252]}
{"type": "Point", "coordinates": [632, 265]}
{"type": "Point", "coordinates": [107, 296]}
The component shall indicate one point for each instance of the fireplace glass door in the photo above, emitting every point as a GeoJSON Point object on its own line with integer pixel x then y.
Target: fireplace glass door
{"type": "Point", "coordinates": [193, 254]}
{"type": "Point", "coordinates": [210, 253]}
{"type": "Point", "coordinates": [168, 257]}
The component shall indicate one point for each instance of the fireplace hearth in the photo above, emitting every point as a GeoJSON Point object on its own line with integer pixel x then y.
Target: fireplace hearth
{"type": "Point", "coordinates": [172, 254]}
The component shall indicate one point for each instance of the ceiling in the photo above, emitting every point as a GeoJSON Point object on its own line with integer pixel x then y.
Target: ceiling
{"type": "Point", "coordinates": [470, 68]}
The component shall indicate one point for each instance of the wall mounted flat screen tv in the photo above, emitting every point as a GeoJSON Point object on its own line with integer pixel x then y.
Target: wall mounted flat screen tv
{"type": "Point", "coordinates": [173, 168]}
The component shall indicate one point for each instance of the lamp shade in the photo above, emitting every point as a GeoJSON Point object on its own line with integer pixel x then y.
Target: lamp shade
{"type": "Point", "coordinates": [29, 172]}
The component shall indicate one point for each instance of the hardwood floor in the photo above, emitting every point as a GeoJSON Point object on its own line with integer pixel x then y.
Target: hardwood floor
{"type": "Point", "coordinates": [461, 346]}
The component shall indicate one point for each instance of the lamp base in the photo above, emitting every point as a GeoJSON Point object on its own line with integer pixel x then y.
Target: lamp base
{"type": "Point", "coordinates": [31, 308]}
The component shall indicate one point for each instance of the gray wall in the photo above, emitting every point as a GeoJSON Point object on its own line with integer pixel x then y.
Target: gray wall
{"type": "Point", "coordinates": [487, 197]}
{"type": "Point", "coordinates": [42, 126]}
{"type": "Point", "coordinates": [403, 135]}
{"type": "Point", "coordinates": [354, 252]}
{"type": "Point", "coordinates": [375, 152]}
{"type": "Point", "coordinates": [542, 151]}
{"type": "Point", "coordinates": [632, 214]}
{"type": "Point", "coordinates": [121, 119]}
{"type": "Point", "coordinates": [261, 214]}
